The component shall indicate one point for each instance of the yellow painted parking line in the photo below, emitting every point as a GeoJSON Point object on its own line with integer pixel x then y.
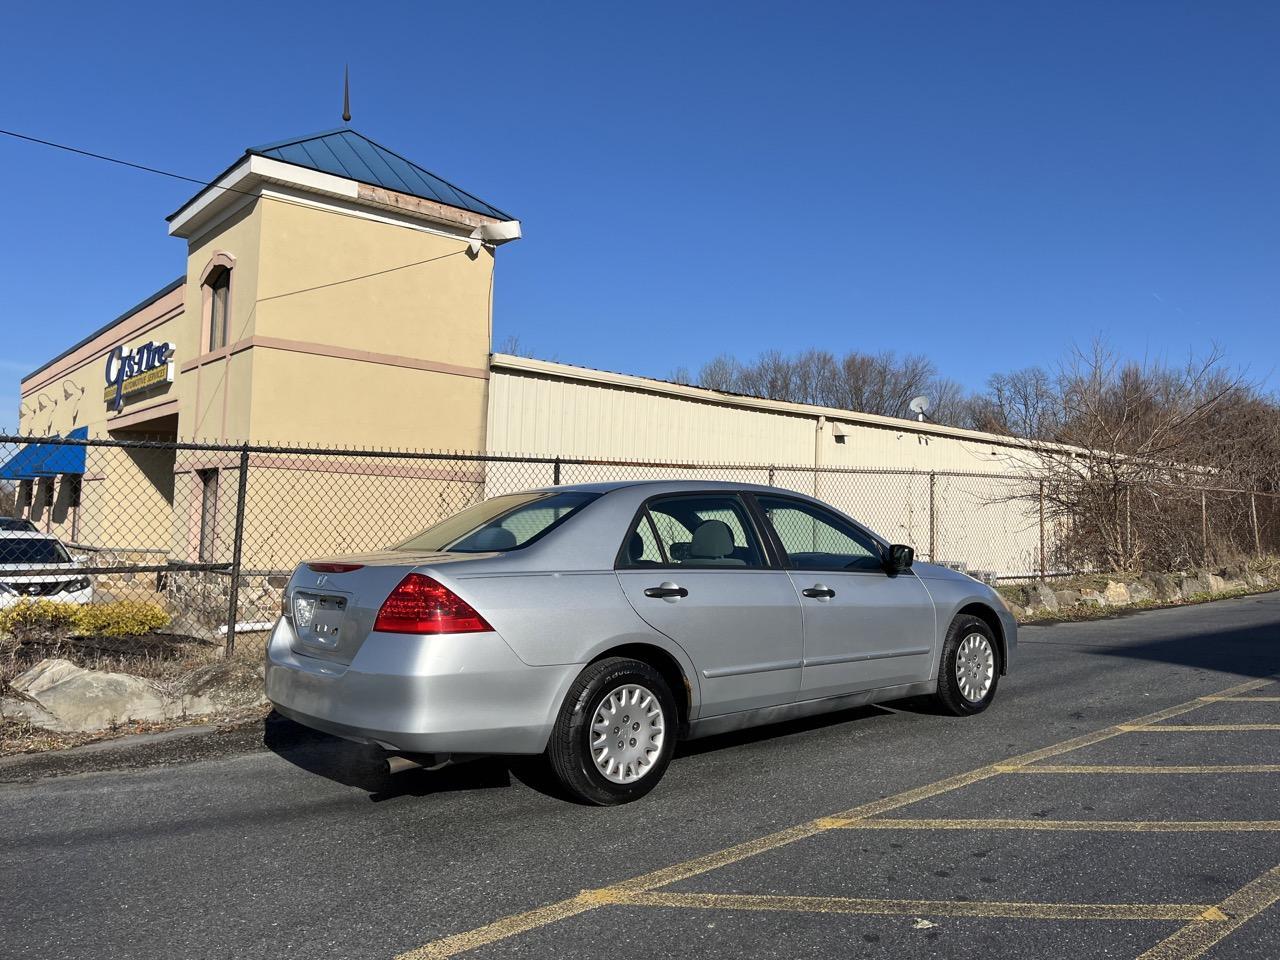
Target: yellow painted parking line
{"type": "Point", "coordinates": [1104, 826]}
{"type": "Point", "coordinates": [1143, 769]}
{"type": "Point", "coordinates": [1197, 727]}
{"type": "Point", "coordinates": [1204, 913]}
{"type": "Point", "coordinates": [1217, 699]}
{"type": "Point", "coordinates": [1239, 908]}
{"type": "Point", "coordinates": [519, 923]}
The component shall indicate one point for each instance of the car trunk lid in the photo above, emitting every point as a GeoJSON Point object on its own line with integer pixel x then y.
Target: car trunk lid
{"type": "Point", "coordinates": [332, 604]}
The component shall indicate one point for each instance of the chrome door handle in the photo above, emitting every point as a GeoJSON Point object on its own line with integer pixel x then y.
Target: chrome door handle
{"type": "Point", "coordinates": [666, 591]}
{"type": "Point", "coordinates": [819, 591]}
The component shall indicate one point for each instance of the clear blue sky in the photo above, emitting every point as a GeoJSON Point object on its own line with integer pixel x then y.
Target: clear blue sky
{"type": "Point", "coordinates": [984, 183]}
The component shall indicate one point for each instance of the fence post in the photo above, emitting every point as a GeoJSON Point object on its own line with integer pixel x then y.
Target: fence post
{"type": "Point", "coordinates": [771, 475]}
{"type": "Point", "coordinates": [555, 473]}
{"type": "Point", "coordinates": [1042, 561]}
{"type": "Point", "coordinates": [1204, 525]}
{"type": "Point", "coordinates": [233, 591]}
{"type": "Point", "coordinates": [1253, 515]}
{"type": "Point", "coordinates": [933, 515]}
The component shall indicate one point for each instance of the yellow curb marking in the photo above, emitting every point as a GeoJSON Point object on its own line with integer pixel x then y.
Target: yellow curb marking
{"type": "Point", "coordinates": [1102, 826]}
{"type": "Point", "coordinates": [518, 923]}
{"type": "Point", "coordinates": [1196, 727]}
{"type": "Point", "coordinates": [921, 908]}
{"type": "Point", "coordinates": [1119, 768]}
{"type": "Point", "coordinates": [1243, 905]}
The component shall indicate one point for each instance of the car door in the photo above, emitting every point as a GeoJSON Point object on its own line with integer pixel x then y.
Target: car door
{"type": "Point", "coordinates": [863, 628]}
{"type": "Point", "coordinates": [696, 569]}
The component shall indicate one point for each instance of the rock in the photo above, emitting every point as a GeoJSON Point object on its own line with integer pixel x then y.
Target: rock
{"type": "Point", "coordinates": [1214, 583]}
{"type": "Point", "coordinates": [1068, 597]}
{"type": "Point", "coordinates": [70, 698]}
{"type": "Point", "coordinates": [82, 699]}
{"type": "Point", "coordinates": [1092, 597]}
{"type": "Point", "coordinates": [1141, 591]}
{"type": "Point", "coordinates": [1255, 581]}
{"type": "Point", "coordinates": [1192, 585]}
{"type": "Point", "coordinates": [1016, 609]}
{"type": "Point", "coordinates": [1116, 594]}
{"type": "Point", "coordinates": [1166, 587]}
{"type": "Point", "coordinates": [1041, 597]}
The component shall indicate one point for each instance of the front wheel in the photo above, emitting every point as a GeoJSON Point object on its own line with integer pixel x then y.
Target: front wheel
{"type": "Point", "coordinates": [615, 733]}
{"type": "Point", "coordinates": [970, 667]}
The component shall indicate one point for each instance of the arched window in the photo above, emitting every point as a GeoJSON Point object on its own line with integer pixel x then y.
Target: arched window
{"type": "Point", "coordinates": [215, 286]}
{"type": "Point", "coordinates": [219, 284]}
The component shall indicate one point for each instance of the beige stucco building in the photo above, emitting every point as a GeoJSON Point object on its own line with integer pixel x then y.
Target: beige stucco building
{"type": "Point", "coordinates": [338, 295]}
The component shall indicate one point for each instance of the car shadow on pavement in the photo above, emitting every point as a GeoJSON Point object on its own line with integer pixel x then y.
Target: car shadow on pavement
{"type": "Point", "coordinates": [365, 768]}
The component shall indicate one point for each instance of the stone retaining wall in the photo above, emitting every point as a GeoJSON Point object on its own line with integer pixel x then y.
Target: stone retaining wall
{"type": "Point", "coordinates": [1042, 599]}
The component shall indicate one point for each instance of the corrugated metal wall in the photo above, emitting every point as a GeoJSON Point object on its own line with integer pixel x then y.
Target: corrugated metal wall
{"type": "Point", "coordinates": [532, 413]}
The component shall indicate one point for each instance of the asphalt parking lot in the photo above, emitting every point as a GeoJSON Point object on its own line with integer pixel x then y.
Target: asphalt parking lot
{"type": "Point", "coordinates": [1119, 800]}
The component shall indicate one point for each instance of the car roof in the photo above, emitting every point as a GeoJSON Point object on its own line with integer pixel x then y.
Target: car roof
{"type": "Point", "coordinates": [662, 486]}
{"type": "Point", "coordinates": [27, 535]}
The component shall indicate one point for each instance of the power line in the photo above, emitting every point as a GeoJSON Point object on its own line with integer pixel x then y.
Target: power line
{"type": "Point", "coordinates": [124, 163]}
{"type": "Point", "coordinates": [79, 151]}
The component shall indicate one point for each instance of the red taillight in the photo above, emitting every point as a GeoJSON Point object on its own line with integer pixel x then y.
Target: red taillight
{"type": "Point", "coordinates": [421, 605]}
{"type": "Point", "coordinates": [334, 567]}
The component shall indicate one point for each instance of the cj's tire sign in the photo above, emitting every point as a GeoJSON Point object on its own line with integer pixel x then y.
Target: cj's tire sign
{"type": "Point", "coordinates": [138, 369]}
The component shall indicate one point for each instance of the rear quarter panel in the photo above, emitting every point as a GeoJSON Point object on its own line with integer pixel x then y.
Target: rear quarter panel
{"type": "Point", "coordinates": [565, 617]}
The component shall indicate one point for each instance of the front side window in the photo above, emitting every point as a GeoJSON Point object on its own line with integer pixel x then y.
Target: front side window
{"type": "Point", "coordinates": [816, 539]}
{"type": "Point", "coordinates": [219, 292]}
{"type": "Point", "coordinates": [503, 523]}
{"type": "Point", "coordinates": [694, 531]}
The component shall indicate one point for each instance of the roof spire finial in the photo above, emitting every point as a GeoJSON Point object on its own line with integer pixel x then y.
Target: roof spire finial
{"type": "Point", "coordinates": [346, 93]}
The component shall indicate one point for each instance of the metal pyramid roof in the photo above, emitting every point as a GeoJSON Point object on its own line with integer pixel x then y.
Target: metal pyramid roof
{"type": "Point", "coordinates": [346, 153]}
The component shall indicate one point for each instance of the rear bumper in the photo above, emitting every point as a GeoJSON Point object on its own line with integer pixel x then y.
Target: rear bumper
{"type": "Point", "coordinates": [464, 693]}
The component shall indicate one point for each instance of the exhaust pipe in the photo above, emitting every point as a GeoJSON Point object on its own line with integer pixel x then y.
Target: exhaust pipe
{"type": "Point", "coordinates": [399, 763]}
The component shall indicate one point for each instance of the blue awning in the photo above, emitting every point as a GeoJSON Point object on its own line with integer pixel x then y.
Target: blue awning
{"type": "Point", "coordinates": [46, 459]}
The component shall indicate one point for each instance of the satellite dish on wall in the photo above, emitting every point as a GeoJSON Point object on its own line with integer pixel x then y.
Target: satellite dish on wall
{"type": "Point", "coordinates": [919, 406]}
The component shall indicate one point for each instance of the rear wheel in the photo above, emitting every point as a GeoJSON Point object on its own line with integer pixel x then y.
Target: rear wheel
{"type": "Point", "coordinates": [615, 733]}
{"type": "Point", "coordinates": [970, 668]}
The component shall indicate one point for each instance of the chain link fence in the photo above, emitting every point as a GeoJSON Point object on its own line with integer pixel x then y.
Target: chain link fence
{"type": "Point", "coordinates": [162, 545]}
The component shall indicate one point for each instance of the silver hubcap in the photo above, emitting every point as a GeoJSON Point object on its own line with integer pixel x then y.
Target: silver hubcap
{"type": "Point", "coordinates": [975, 667]}
{"type": "Point", "coordinates": [627, 730]}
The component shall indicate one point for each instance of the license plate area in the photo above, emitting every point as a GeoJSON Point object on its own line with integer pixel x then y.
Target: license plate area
{"type": "Point", "coordinates": [318, 617]}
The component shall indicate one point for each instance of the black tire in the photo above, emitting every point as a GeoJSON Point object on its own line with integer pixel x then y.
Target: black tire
{"type": "Point", "coordinates": [950, 697]}
{"type": "Point", "coordinates": [569, 750]}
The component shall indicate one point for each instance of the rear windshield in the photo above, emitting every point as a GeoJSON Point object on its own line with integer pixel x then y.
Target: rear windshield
{"type": "Point", "coordinates": [503, 523]}
{"type": "Point", "coordinates": [36, 550]}
{"type": "Point", "coordinates": [13, 523]}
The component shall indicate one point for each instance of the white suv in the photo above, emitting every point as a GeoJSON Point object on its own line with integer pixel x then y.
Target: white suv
{"type": "Point", "coordinates": [36, 566]}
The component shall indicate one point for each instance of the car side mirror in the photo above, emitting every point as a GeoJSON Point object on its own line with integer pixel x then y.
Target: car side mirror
{"type": "Point", "coordinates": [900, 557]}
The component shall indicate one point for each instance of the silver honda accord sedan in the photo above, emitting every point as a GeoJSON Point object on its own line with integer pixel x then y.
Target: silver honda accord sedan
{"type": "Point", "coordinates": [599, 624]}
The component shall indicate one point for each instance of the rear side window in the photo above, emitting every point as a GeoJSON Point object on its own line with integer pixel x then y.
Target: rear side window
{"type": "Point", "coordinates": [503, 523]}
{"type": "Point", "coordinates": [693, 531]}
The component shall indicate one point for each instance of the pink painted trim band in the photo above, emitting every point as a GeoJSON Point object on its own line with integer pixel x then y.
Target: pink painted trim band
{"type": "Point", "coordinates": [163, 409]}
{"type": "Point", "coordinates": [336, 352]}
{"type": "Point", "coordinates": [166, 308]}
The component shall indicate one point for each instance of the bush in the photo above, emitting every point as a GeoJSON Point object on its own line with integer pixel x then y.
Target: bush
{"type": "Point", "coordinates": [38, 620]}
{"type": "Point", "coordinates": [46, 620]}
{"type": "Point", "coordinates": [120, 618]}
